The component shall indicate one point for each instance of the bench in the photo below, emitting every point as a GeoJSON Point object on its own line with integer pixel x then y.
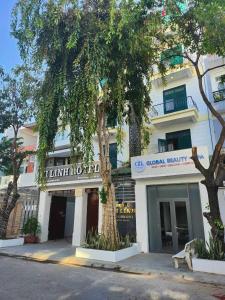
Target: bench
{"type": "Point", "coordinates": [185, 255]}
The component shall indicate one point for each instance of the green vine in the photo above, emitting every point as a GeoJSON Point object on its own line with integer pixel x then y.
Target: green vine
{"type": "Point", "coordinates": [103, 196]}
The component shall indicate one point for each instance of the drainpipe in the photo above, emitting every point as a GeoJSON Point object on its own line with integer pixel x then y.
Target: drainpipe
{"type": "Point", "coordinates": [206, 88]}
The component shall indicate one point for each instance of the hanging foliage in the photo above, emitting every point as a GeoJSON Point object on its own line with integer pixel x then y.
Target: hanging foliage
{"type": "Point", "coordinates": [95, 56]}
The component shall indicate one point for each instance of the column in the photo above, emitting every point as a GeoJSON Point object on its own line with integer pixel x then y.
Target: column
{"type": "Point", "coordinates": [80, 216]}
{"type": "Point", "coordinates": [205, 208]}
{"type": "Point", "coordinates": [141, 216]}
{"type": "Point", "coordinates": [221, 196]}
{"type": "Point", "coordinates": [43, 214]}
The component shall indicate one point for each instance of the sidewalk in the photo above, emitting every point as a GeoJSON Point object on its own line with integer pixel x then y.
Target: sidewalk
{"type": "Point", "coordinates": [63, 253]}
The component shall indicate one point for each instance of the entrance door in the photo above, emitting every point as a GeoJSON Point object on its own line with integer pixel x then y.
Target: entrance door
{"type": "Point", "coordinates": [92, 212]}
{"type": "Point", "coordinates": [175, 224]}
{"type": "Point", "coordinates": [174, 216]}
{"type": "Point", "coordinates": [57, 218]}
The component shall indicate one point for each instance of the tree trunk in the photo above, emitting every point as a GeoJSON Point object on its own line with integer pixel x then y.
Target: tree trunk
{"type": "Point", "coordinates": [109, 224]}
{"type": "Point", "coordinates": [214, 217]}
{"type": "Point", "coordinates": [134, 134]}
{"type": "Point", "coordinates": [3, 225]}
{"type": "Point", "coordinates": [8, 206]}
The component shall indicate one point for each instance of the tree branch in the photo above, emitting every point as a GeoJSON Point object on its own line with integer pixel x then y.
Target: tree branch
{"type": "Point", "coordinates": [210, 69]}
{"type": "Point", "coordinates": [196, 161]}
{"type": "Point", "coordinates": [217, 151]}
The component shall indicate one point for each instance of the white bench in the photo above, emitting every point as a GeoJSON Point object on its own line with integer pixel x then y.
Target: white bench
{"type": "Point", "coordinates": [184, 255]}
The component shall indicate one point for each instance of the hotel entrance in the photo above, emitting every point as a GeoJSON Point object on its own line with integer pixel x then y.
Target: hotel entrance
{"type": "Point", "coordinates": [174, 216]}
{"type": "Point", "coordinates": [61, 218]}
{"type": "Point", "coordinates": [92, 210]}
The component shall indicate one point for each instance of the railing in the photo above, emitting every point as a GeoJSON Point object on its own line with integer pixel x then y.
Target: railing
{"type": "Point", "coordinates": [173, 105]}
{"type": "Point", "coordinates": [219, 95]}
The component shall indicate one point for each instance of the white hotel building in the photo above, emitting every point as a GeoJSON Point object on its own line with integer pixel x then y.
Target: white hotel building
{"type": "Point", "coordinates": [169, 198]}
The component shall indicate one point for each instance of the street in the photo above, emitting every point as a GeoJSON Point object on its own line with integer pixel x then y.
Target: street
{"type": "Point", "coordinates": [30, 280]}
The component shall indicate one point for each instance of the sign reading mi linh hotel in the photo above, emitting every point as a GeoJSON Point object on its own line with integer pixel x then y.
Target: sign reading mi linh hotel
{"type": "Point", "coordinates": [72, 172]}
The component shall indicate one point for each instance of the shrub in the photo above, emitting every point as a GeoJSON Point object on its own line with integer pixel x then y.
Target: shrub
{"type": "Point", "coordinates": [100, 242]}
{"type": "Point", "coordinates": [32, 227]}
{"type": "Point", "coordinates": [212, 250]}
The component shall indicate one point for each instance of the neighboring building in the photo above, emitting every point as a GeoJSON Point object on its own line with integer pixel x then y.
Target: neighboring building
{"type": "Point", "coordinates": [166, 188]}
{"type": "Point", "coordinates": [170, 199]}
{"type": "Point", "coordinates": [29, 193]}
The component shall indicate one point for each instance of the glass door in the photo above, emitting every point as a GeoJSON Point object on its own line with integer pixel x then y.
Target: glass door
{"type": "Point", "coordinates": [182, 225]}
{"type": "Point", "coordinates": [175, 224]}
{"type": "Point", "coordinates": [166, 226]}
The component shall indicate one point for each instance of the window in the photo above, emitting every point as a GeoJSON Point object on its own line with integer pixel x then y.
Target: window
{"type": "Point", "coordinates": [175, 99]}
{"type": "Point", "coordinates": [219, 95]}
{"type": "Point", "coordinates": [113, 155]}
{"type": "Point", "coordinates": [175, 141]}
{"type": "Point", "coordinates": [111, 120]}
{"type": "Point", "coordinates": [171, 57]}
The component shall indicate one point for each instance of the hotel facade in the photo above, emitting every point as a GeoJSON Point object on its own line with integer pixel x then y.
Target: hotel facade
{"type": "Point", "coordinates": [160, 199]}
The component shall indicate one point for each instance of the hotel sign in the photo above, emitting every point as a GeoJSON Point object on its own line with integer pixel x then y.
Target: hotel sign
{"type": "Point", "coordinates": [79, 171]}
{"type": "Point", "coordinates": [168, 163]}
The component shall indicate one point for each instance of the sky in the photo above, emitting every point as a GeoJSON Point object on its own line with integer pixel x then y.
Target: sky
{"type": "Point", "coordinates": [9, 53]}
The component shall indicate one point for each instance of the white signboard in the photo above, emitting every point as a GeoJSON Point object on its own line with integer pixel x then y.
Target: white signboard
{"type": "Point", "coordinates": [70, 172]}
{"type": "Point", "coordinates": [167, 163]}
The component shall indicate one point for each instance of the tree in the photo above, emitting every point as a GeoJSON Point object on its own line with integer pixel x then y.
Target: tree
{"type": "Point", "coordinates": [91, 53]}
{"type": "Point", "coordinates": [200, 29]}
{"type": "Point", "coordinates": [15, 111]}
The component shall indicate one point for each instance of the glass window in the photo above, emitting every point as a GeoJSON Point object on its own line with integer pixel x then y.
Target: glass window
{"type": "Point", "coordinates": [179, 140]}
{"type": "Point", "coordinates": [175, 99]}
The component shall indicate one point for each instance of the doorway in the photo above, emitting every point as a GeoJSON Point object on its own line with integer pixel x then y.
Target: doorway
{"type": "Point", "coordinates": [57, 218]}
{"type": "Point", "coordinates": [61, 218]}
{"type": "Point", "coordinates": [174, 216]}
{"type": "Point", "coordinates": [92, 211]}
{"type": "Point", "coordinates": [175, 228]}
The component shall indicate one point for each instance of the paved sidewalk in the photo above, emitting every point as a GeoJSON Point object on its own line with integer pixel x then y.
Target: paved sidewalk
{"type": "Point", "coordinates": [61, 252]}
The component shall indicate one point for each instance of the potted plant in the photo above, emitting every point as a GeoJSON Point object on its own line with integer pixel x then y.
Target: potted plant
{"type": "Point", "coordinates": [209, 257]}
{"type": "Point", "coordinates": [98, 247]}
{"type": "Point", "coordinates": [31, 229]}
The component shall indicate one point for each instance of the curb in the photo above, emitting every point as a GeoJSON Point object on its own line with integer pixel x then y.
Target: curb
{"type": "Point", "coordinates": [127, 270]}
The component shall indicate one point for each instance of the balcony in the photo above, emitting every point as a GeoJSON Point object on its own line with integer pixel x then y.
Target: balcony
{"type": "Point", "coordinates": [25, 180]}
{"type": "Point", "coordinates": [174, 112]}
{"type": "Point", "coordinates": [219, 100]}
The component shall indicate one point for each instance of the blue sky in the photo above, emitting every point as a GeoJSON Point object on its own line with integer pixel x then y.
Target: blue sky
{"type": "Point", "coordinates": [9, 54]}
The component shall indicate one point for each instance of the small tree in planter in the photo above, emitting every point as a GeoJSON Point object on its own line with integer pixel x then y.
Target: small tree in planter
{"type": "Point", "coordinates": [16, 109]}
{"type": "Point", "coordinates": [31, 229]}
{"type": "Point", "coordinates": [92, 52]}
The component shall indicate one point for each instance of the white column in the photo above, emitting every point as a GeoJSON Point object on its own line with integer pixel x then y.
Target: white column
{"type": "Point", "coordinates": [43, 214]}
{"type": "Point", "coordinates": [205, 208]}
{"type": "Point", "coordinates": [221, 196]}
{"type": "Point", "coordinates": [80, 216]}
{"type": "Point", "coordinates": [141, 216]}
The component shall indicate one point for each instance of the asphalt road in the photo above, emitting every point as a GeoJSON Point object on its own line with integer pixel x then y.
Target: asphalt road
{"type": "Point", "coordinates": [20, 280]}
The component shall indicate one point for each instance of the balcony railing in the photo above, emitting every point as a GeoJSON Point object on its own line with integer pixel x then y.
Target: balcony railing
{"type": "Point", "coordinates": [219, 95]}
{"type": "Point", "coordinates": [171, 106]}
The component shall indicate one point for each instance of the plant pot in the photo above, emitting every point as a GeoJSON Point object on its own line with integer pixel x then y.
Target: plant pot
{"type": "Point", "coordinates": [110, 256]}
{"type": "Point", "coordinates": [11, 242]}
{"type": "Point", "coordinates": [31, 239]}
{"type": "Point", "coordinates": [208, 266]}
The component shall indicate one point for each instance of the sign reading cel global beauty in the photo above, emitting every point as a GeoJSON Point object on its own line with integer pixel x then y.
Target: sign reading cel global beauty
{"type": "Point", "coordinates": [70, 172]}
{"type": "Point", "coordinates": [168, 163]}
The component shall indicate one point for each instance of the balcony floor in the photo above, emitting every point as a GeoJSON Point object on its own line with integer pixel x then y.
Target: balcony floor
{"type": "Point", "coordinates": [178, 117]}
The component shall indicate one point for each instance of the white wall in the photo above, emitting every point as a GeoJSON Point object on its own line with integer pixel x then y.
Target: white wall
{"type": "Point", "coordinates": [200, 134]}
